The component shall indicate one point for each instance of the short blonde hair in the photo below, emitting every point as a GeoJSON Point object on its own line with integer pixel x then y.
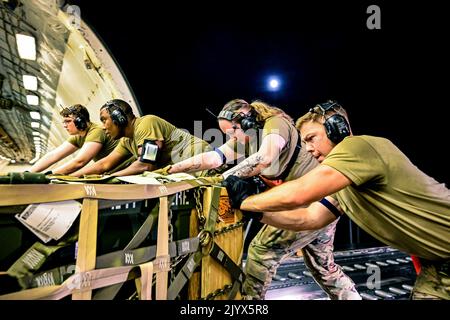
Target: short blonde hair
{"type": "Point", "coordinates": [308, 117]}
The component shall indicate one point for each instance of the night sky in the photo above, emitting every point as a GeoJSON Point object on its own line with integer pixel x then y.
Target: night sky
{"type": "Point", "coordinates": [181, 58]}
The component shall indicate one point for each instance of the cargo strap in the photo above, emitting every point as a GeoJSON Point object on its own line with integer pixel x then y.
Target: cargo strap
{"type": "Point", "coordinates": [206, 237]}
{"type": "Point", "coordinates": [29, 193]}
{"type": "Point", "coordinates": [110, 292]}
{"type": "Point", "coordinates": [141, 255]}
{"type": "Point", "coordinates": [38, 253]}
{"type": "Point", "coordinates": [94, 178]}
{"type": "Point", "coordinates": [140, 192]}
{"type": "Point", "coordinates": [87, 281]}
{"type": "Point", "coordinates": [162, 250]}
{"type": "Point", "coordinates": [35, 257]}
{"type": "Point", "coordinates": [216, 252]}
{"type": "Point", "coordinates": [184, 275]}
{"type": "Point", "coordinates": [128, 256]}
{"type": "Point", "coordinates": [235, 271]}
{"type": "Point", "coordinates": [113, 259]}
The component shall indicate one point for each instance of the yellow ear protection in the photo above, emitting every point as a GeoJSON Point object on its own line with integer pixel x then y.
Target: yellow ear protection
{"type": "Point", "coordinates": [336, 126]}
{"type": "Point", "coordinates": [117, 115]}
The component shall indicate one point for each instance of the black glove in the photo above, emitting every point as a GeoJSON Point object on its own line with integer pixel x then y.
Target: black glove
{"type": "Point", "coordinates": [259, 183]}
{"type": "Point", "coordinates": [238, 190]}
{"type": "Point", "coordinates": [252, 215]}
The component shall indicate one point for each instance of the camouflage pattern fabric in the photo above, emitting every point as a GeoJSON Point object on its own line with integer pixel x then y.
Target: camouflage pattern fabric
{"type": "Point", "coordinates": [23, 178]}
{"type": "Point", "coordinates": [272, 245]}
{"type": "Point", "coordinates": [433, 282]}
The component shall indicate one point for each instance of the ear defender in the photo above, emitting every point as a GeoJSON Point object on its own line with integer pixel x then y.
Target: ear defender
{"type": "Point", "coordinates": [336, 126]}
{"type": "Point", "coordinates": [80, 123]}
{"type": "Point", "coordinates": [247, 121]}
{"type": "Point", "coordinates": [117, 115]}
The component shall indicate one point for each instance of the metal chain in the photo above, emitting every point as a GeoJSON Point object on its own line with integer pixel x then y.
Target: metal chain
{"type": "Point", "coordinates": [218, 292]}
{"type": "Point", "coordinates": [169, 218]}
{"type": "Point", "coordinates": [227, 288]}
{"type": "Point", "coordinates": [202, 219]}
{"type": "Point", "coordinates": [176, 260]}
{"type": "Point", "coordinates": [199, 207]}
{"type": "Point", "coordinates": [229, 228]}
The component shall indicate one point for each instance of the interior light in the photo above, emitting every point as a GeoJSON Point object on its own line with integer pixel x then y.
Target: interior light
{"type": "Point", "coordinates": [26, 46]}
{"type": "Point", "coordinates": [32, 100]}
{"type": "Point", "coordinates": [35, 115]}
{"type": "Point", "coordinates": [30, 82]}
{"type": "Point", "coordinates": [35, 124]}
{"type": "Point", "coordinates": [35, 133]}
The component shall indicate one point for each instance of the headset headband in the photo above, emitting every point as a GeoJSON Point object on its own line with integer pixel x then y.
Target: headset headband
{"type": "Point", "coordinates": [325, 107]}
{"type": "Point", "coordinates": [227, 115]}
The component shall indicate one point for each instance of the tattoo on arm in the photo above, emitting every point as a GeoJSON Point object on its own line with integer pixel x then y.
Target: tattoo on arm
{"type": "Point", "coordinates": [247, 168]}
{"type": "Point", "coordinates": [194, 167]}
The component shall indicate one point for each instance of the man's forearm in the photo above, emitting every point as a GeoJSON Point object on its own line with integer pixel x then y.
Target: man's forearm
{"type": "Point", "coordinates": [189, 165]}
{"type": "Point", "coordinates": [287, 196]}
{"type": "Point", "coordinates": [136, 167]}
{"type": "Point", "coordinates": [95, 168]}
{"type": "Point", "coordinates": [300, 219]}
{"type": "Point", "coordinates": [69, 167]}
{"type": "Point", "coordinates": [315, 185]}
{"type": "Point", "coordinates": [287, 220]}
{"type": "Point", "coordinates": [44, 163]}
{"type": "Point", "coordinates": [198, 162]}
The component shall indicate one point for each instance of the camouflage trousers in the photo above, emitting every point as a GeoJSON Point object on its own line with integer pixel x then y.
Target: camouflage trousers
{"type": "Point", "coordinates": [433, 281]}
{"type": "Point", "coordinates": [272, 245]}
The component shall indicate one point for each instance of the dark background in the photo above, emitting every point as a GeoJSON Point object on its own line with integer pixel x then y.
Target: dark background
{"type": "Point", "coordinates": [181, 58]}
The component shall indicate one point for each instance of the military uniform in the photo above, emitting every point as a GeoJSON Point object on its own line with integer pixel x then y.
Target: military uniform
{"type": "Point", "coordinates": [396, 203]}
{"type": "Point", "coordinates": [178, 144]}
{"type": "Point", "coordinates": [95, 133]}
{"type": "Point", "coordinates": [271, 245]}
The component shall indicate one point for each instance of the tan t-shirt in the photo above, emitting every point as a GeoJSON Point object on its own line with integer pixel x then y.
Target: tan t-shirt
{"type": "Point", "coordinates": [178, 144]}
{"type": "Point", "coordinates": [392, 199]}
{"type": "Point", "coordinates": [281, 126]}
{"type": "Point", "coordinates": [95, 133]}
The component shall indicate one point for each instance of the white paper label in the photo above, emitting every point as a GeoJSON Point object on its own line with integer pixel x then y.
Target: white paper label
{"type": "Point", "coordinates": [50, 220]}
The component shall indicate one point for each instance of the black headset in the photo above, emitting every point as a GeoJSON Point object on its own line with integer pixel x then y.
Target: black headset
{"type": "Point", "coordinates": [247, 121]}
{"type": "Point", "coordinates": [80, 121]}
{"type": "Point", "coordinates": [336, 126]}
{"type": "Point", "coordinates": [117, 115]}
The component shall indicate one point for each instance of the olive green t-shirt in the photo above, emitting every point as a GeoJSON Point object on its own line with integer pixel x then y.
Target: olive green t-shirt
{"type": "Point", "coordinates": [283, 127]}
{"type": "Point", "coordinates": [391, 199]}
{"type": "Point", "coordinates": [95, 133]}
{"type": "Point", "coordinates": [177, 144]}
